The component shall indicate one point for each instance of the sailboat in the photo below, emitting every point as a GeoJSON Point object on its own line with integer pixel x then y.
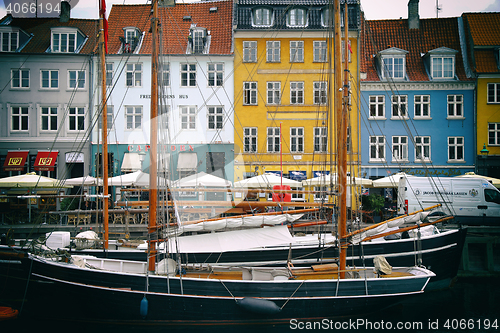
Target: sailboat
{"type": "Point", "coordinates": [169, 291]}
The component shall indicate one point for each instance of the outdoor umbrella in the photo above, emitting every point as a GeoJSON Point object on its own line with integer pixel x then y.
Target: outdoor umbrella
{"type": "Point", "coordinates": [137, 178]}
{"type": "Point", "coordinates": [266, 180]}
{"type": "Point", "coordinates": [202, 179]}
{"type": "Point", "coordinates": [84, 181]}
{"type": "Point", "coordinates": [324, 180]}
{"type": "Point", "coordinates": [494, 181]}
{"type": "Point", "coordinates": [390, 181]}
{"type": "Point", "coordinates": [32, 180]}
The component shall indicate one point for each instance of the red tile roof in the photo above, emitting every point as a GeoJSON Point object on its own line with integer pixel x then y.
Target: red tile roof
{"type": "Point", "coordinates": [379, 35]}
{"type": "Point", "coordinates": [175, 29]}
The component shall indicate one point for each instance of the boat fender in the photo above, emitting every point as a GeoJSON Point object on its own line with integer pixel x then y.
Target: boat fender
{"type": "Point", "coordinates": [258, 305]}
{"type": "Point", "coordinates": [144, 307]}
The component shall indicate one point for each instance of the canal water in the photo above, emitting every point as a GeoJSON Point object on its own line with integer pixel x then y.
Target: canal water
{"type": "Point", "coordinates": [470, 305]}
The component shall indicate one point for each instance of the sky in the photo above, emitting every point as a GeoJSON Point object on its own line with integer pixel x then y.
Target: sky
{"type": "Point", "coordinates": [374, 9]}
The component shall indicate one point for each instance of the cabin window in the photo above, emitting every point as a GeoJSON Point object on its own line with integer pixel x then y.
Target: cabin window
{"type": "Point", "coordinates": [455, 149]}
{"type": "Point", "coordinates": [399, 148]}
{"type": "Point", "coordinates": [49, 79]}
{"type": "Point", "coordinates": [273, 92]}
{"type": "Point", "coordinates": [377, 148]}
{"type": "Point", "coordinates": [491, 195]}
{"type": "Point", "coordinates": [393, 67]}
{"type": "Point", "coordinates": [296, 92]}
{"type": "Point", "coordinates": [443, 67]}
{"type": "Point", "coordinates": [134, 75]}
{"type": "Point", "coordinates": [20, 79]}
{"type": "Point", "coordinates": [455, 106]}
{"type": "Point", "coordinates": [493, 92]}
{"type": "Point", "coordinates": [109, 74]}
{"type": "Point", "coordinates": [273, 51]}
{"type": "Point", "coordinates": [19, 118]}
{"type": "Point", "coordinates": [76, 117]}
{"type": "Point", "coordinates": [215, 117]}
{"type": "Point", "coordinates": [493, 134]}
{"type": "Point", "coordinates": [76, 79]}
{"type": "Point", "coordinates": [48, 118]}
{"type": "Point", "coordinates": [377, 107]}
{"type": "Point", "coordinates": [249, 51]}
{"type": "Point", "coordinates": [188, 117]}
{"type": "Point", "coordinates": [319, 50]}
{"type": "Point", "coordinates": [273, 140]}
{"type": "Point", "coordinates": [320, 92]}
{"type": "Point", "coordinates": [133, 117]}
{"type": "Point", "coordinates": [262, 17]}
{"type": "Point", "coordinates": [296, 51]}
{"type": "Point", "coordinates": [297, 139]}
{"type": "Point", "coordinates": [250, 139]}
{"type": "Point", "coordinates": [422, 105]}
{"type": "Point", "coordinates": [188, 75]}
{"type": "Point", "coordinates": [216, 74]}
{"type": "Point", "coordinates": [399, 106]}
{"type": "Point", "coordinates": [297, 17]}
{"type": "Point", "coordinates": [423, 148]}
{"type": "Point", "coordinates": [320, 139]}
{"type": "Point", "coordinates": [249, 93]}
{"type": "Point", "coordinates": [10, 41]}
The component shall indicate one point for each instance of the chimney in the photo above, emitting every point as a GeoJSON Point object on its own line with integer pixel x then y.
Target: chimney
{"type": "Point", "coordinates": [413, 18]}
{"type": "Point", "coordinates": [65, 12]}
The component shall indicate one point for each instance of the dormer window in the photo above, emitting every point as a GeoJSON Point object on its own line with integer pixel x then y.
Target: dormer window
{"type": "Point", "coordinates": [441, 62]}
{"type": "Point", "coordinates": [130, 40]}
{"type": "Point", "coordinates": [262, 17]}
{"type": "Point", "coordinates": [297, 17]}
{"type": "Point", "coordinates": [198, 40]}
{"type": "Point", "coordinates": [10, 41]}
{"type": "Point", "coordinates": [392, 63]}
{"type": "Point", "coordinates": [65, 40]}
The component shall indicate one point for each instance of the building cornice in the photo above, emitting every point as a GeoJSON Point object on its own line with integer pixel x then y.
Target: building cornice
{"type": "Point", "coordinates": [377, 86]}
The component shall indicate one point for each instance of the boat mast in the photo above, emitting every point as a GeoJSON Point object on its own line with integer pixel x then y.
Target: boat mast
{"type": "Point", "coordinates": [104, 116]}
{"type": "Point", "coordinates": [153, 190]}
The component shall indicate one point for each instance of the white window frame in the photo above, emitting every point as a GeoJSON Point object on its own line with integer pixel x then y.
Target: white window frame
{"type": "Point", "coordinates": [399, 107]}
{"type": "Point", "coordinates": [320, 92]}
{"type": "Point", "coordinates": [456, 145]}
{"type": "Point", "coordinates": [422, 105]}
{"type": "Point", "coordinates": [76, 115]}
{"type": "Point", "coordinates": [325, 17]}
{"type": "Point", "coordinates": [493, 93]}
{"type": "Point", "coordinates": [320, 193]}
{"type": "Point", "coordinates": [296, 51]}
{"type": "Point", "coordinates": [133, 77]}
{"type": "Point", "coordinates": [376, 104]}
{"type": "Point", "coordinates": [76, 82]}
{"type": "Point", "coordinates": [198, 42]}
{"type": "Point", "coordinates": [249, 93]}
{"type": "Point", "coordinates": [133, 117]}
{"type": "Point", "coordinates": [188, 117]}
{"type": "Point", "coordinates": [423, 145]}
{"type": "Point", "coordinates": [109, 73]}
{"type": "Point", "coordinates": [296, 17]}
{"type": "Point", "coordinates": [49, 118]}
{"type": "Point", "coordinates": [50, 79]}
{"type": "Point", "coordinates": [186, 72]}
{"type": "Point", "coordinates": [66, 46]}
{"type": "Point", "coordinates": [164, 116]}
{"type": "Point", "coordinates": [319, 51]}
{"type": "Point", "coordinates": [377, 148]}
{"type": "Point", "coordinates": [215, 72]}
{"type": "Point", "coordinates": [455, 106]}
{"type": "Point", "coordinates": [273, 93]}
{"type": "Point", "coordinates": [320, 136]}
{"type": "Point", "coordinates": [273, 139]}
{"type": "Point", "coordinates": [262, 17]}
{"type": "Point", "coordinates": [438, 67]}
{"type": "Point", "coordinates": [19, 117]}
{"type": "Point", "coordinates": [215, 117]}
{"type": "Point", "coordinates": [110, 118]}
{"type": "Point", "coordinates": [399, 148]}
{"type": "Point", "coordinates": [8, 35]}
{"type": "Point", "coordinates": [249, 51]}
{"type": "Point", "coordinates": [20, 79]}
{"type": "Point", "coordinates": [250, 139]}
{"type": "Point", "coordinates": [296, 140]}
{"type": "Point", "coordinates": [297, 92]}
{"type": "Point", "coordinates": [164, 75]}
{"type": "Point", "coordinates": [273, 51]}
{"type": "Point", "coordinates": [389, 64]}
{"type": "Point", "coordinates": [494, 134]}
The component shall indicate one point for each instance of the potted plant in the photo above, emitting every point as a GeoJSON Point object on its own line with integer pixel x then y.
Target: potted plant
{"type": "Point", "coordinates": [374, 203]}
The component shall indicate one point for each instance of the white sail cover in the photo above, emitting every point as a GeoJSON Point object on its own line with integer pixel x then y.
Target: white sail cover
{"type": "Point", "coordinates": [235, 240]}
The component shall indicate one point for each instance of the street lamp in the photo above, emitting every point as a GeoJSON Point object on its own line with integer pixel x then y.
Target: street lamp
{"type": "Point", "coordinates": [484, 152]}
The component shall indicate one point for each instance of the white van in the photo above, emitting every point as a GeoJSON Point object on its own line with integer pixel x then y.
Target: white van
{"type": "Point", "coordinates": [473, 201]}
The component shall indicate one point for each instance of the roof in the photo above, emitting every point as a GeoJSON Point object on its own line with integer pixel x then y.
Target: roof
{"type": "Point", "coordinates": [378, 35]}
{"type": "Point", "coordinates": [174, 25]}
{"type": "Point", "coordinates": [40, 29]}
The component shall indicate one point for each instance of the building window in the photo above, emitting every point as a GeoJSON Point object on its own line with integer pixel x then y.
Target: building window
{"type": "Point", "coordinates": [443, 67]}
{"type": "Point", "coordinates": [262, 17]}
{"type": "Point", "coordinates": [134, 75]}
{"type": "Point", "coordinates": [273, 139]}
{"type": "Point", "coordinates": [10, 41]}
{"type": "Point", "coordinates": [188, 75]}
{"type": "Point", "coordinates": [296, 92]}
{"type": "Point", "coordinates": [296, 51]}
{"type": "Point", "coordinates": [49, 118]}
{"type": "Point", "coordinates": [320, 193]}
{"type": "Point", "coordinates": [320, 139]}
{"type": "Point", "coordinates": [130, 39]}
{"type": "Point", "coordinates": [297, 139]}
{"type": "Point", "coordinates": [455, 106]}
{"type": "Point", "coordinates": [215, 117]}
{"type": "Point", "coordinates": [164, 115]}
{"type": "Point", "coordinates": [297, 17]}
{"type": "Point", "coordinates": [19, 118]}
{"type": "Point", "coordinates": [273, 51]}
{"type": "Point", "coordinates": [133, 117]}
{"type": "Point", "coordinates": [320, 92]}
{"type": "Point", "coordinates": [110, 118]}
{"type": "Point", "coordinates": [377, 107]}
{"type": "Point", "coordinates": [63, 42]}
{"type": "Point", "coordinates": [109, 74]}
{"type": "Point", "coordinates": [319, 50]}
{"type": "Point", "coordinates": [50, 79]}
{"type": "Point", "coordinates": [188, 117]}
{"type": "Point", "coordinates": [249, 51]}
{"type": "Point", "coordinates": [250, 139]}
{"type": "Point", "coordinates": [326, 18]}
{"type": "Point", "coordinates": [198, 39]}
{"type": "Point", "coordinates": [76, 79]}
{"type": "Point", "coordinates": [215, 74]}
{"type": "Point", "coordinates": [399, 148]}
{"type": "Point", "coordinates": [422, 106]}
{"type": "Point", "coordinates": [399, 106]}
{"type": "Point", "coordinates": [423, 148]}
{"type": "Point", "coordinates": [377, 148]}
{"type": "Point", "coordinates": [393, 68]}
{"type": "Point", "coordinates": [20, 78]}
{"type": "Point", "coordinates": [493, 92]}
{"type": "Point", "coordinates": [249, 93]}
{"type": "Point", "coordinates": [455, 148]}
{"type": "Point", "coordinates": [164, 75]}
{"type": "Point", "coordinates": [493, 134]}
{"type": "Point", "coordinates": [273, 92]}
{"type": "Point", "coordinates": [76, 119]}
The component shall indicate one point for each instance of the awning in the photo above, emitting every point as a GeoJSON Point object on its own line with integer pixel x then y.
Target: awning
{"type": "Point", "coordinates": [131, 162]}
{"type": "Point", "coordinates": [46, 160]}
{"type": "Point", "coordinates": [187, 161]}
{"type": "Point", "coordinates": [15, 160]}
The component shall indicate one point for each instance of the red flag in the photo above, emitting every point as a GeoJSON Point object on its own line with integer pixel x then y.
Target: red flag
{"type": "Point", "coordinates": [102, 13]}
